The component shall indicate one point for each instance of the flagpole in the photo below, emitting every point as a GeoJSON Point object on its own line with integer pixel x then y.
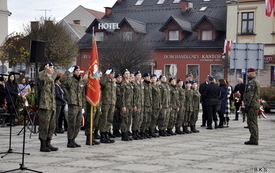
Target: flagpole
{"type": "Point", "coordinates": [91, 123]}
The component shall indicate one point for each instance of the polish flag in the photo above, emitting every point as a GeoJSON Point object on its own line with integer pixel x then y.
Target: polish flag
{"type": "Point", "coordinates": [269, 7]}
{"type": "Point", "coordinates": [226, 47]}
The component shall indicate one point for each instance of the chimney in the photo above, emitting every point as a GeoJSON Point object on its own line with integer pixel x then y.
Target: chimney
{"type": "Point", "coordinates": [34, 24]}
{"type": "Point", "coordinates": [184, 5]}
{"type": "Point", "coordinates": [77, 22]}
{"type": "Point", "coordinates": [108, 11]}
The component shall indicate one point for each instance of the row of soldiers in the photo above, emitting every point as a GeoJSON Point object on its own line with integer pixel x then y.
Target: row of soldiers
{"type": "Point", "coordinates": [144, 103]}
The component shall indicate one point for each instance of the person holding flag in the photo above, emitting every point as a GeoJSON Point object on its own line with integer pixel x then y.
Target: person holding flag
{"type": "Point", "coordinates": [74, 86]}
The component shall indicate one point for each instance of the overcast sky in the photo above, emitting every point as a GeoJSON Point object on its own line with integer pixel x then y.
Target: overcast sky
{"type": "Point", "coordinates": [24, 11]}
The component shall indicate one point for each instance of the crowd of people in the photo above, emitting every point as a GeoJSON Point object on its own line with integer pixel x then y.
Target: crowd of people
{"type": "Point", "coordinates": [133, 106]}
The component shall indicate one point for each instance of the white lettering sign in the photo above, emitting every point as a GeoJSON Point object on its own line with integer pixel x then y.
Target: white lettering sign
{"type": "Point", "coordinates": [203, 57]}
{"type": "Point", "coordinates": [108, 26]}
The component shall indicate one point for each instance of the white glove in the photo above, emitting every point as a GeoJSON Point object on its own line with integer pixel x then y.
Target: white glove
{"type": "Point", "coordinates": [71, 69]}
{"type": "Point", "coordinates": [83, 111]}
{"type": "Point", "coordinates": [108, 71]}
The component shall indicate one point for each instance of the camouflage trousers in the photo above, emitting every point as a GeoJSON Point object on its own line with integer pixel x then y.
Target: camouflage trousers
{"type": "Point", "coordinates": [106, 118]}
{"type": "Point", "coordinates": [146, 119]}
{"type": "Point", "coordinates": [172, 119]}
{"type": "Point", "coordinates": [194, 117]}
{"type": "Point", "coordinates": [46, 123]}
{"type": "Point", "coordinates": [126, 119]}
{"type": "Point", "coordinates": [163, 118]}
{"type": "Point", "coordinates": [252, 123]}
{"type": "Point", "coordinates": [74, 120]}
{"type": "Point", "coordinates": [117, 119]}
{"type": "Point", "coordinates": [137, 119]}
{"type": "Point", "coordinates": [154, 118]}
{"type": "Point", "coordinates": [87, 115]}
{"type": "Point", "coordinates": [180, 117]}
{"type": "Point", "coordinates": [187, 116]}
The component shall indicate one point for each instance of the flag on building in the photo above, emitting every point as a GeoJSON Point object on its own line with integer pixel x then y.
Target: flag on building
{"type": "Point", "coordinates": [269, 7]}
{"type": "Point", "coordinates": [226, 47]}
{"type": "Point", "coordinates": [93, 86]}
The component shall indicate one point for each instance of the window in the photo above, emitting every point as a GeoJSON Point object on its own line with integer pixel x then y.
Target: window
{"type": "Point", "coordinates": [160, 2]}
{"type": "Point", "coordinates": [99, 36]}
{"type": "Point", "coordinates": [127, 36]}
{"type": "Point", "coordinates": [206, 34]}
{"type": "Point", "coordinates": [176, 1]}
{"type": "Point", "coordinates": [247, 22]}
{"type": "Point", "coordinates": [217, 72]}
{"type": "Point", "coordinates": [139, 2]}
{"type": "Point", "coordinates": [194, 70]}
{"type": "Point", "coordinates": [273, 75]}
{"type": "Point", "coordinates": [202, 8]}
{"type": "Point", "coordinates": [173, 35]}
{"type": "Point", "coordinates": [170, 70]}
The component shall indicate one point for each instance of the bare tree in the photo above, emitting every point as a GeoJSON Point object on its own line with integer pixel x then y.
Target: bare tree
{"type": "Point", "coordinates": [125, 54]}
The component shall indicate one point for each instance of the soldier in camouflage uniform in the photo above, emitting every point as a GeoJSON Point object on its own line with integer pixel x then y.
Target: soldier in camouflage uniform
{"type": "Point", "coordinates": [147, 106]}
{"type": "Point", "coordinates": [126, 105]}
{"type": "Point", "coordinates": [75, 89]}
{"type": "Point", "coordinates": [174, 105]}
{"type": "Point", "coordinates": [108, 100]}
{"type": "Point", "coordinates": [165, 106]}
{"type": "Point", "coordinates": [196, 107]}
{"type": "Point", "coordinates": [138, 105]}
{"type": "Point", "coordinates": [182, 105]}
{"type": "Point", "coordinates": [156, 105]}
{"type": "Point", "coordinates": [189, 106]}
{"type": "Point", "coordinates": [47, 105]}
{"type": "Point", "coordinates": [117, 115]}
{"type": "Point", "coordinates": [251, 103]}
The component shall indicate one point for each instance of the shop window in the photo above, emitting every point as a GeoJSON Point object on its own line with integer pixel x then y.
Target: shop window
{"type": "Point", "coordinates": [174, 35]}
{"type": "Point", "coordinates": [170, 70]}
{"type": "Point", "coordinates": [160, 2]}
{"type": "Point", "coordinates": [99, 36]}
{"type": "Point", "coordinates": [194, 70]}
{"type": "Point", "coordinates": [206, 34]}
{"type": "Point", "coordinates": [139, 2]}
{"type": "Point", "coordinates": [272, 75]}
{"type": "Point", "coordinates": [127, 36]}
{"type": "Point", "coordinates": [217, 72]}
{"type": "Point", "coordinates": [247, 22]}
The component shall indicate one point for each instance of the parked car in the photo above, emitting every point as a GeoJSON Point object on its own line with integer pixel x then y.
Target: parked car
{"type": "Point", "coordinates": [271, 105]}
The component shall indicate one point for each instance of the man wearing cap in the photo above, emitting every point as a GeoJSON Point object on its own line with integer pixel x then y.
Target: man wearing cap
{"type": "Point", "coordinates": [117, 115]}
{"type": "Point", "coordinates": [108, 100]}
{"type": "Point", "coordinates": [174, 106]}
{"type": "Point", "coordinates": [165, 106]}
{"type": "Point", "coordinates": [47, 107]}
{"type": "Point", "coordinates": [126, 105]}
{"type": "Point", "coordinates": [182, 106]}
{"type": "Point", "coordinates": [156, 105]}
{"type": "Point", "coordinates": [251, 103]}
{"type": "Point", "coordinates": [74, 86]}
{"type": "Point", "coordinates": [138, 105]}
{"type": "Point", "coordinates": [211, 95]}
{"type": "Point", "coordinates": [147, 106]}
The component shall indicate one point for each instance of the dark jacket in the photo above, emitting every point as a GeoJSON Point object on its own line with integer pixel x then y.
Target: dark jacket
{"type": "Point", "coordinates": [211, 94]}
{"type": "Point", "coordinates": [60, 101]}
{"type": "Point", "coordinates": [2, 94]}
{"type": "Point", "coordinates": [11, 92]}
{"type": "Point", "coordinates": [223, 98]}
{"type": "Point", "coordinates": [239, 87]}
{"type": "Point", "coordinates": [202, 90]}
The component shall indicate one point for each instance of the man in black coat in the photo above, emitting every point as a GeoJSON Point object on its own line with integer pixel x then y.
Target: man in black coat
{"type": "Point", "coordinates": [240, 87]}
{"type": "Point", "coordinates": [2, 92]}
{"type": "Point", "coordinates": [211, 95]}
{"type": "Point", "coordinates": [203, 101]}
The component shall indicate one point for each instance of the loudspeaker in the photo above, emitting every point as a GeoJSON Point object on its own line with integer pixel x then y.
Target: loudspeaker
{"type": "Point", "coordinates": [37, 51]}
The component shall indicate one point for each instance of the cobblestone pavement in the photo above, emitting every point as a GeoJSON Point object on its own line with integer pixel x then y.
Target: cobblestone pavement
{"type": "Point", "coordinates": [210, 151]}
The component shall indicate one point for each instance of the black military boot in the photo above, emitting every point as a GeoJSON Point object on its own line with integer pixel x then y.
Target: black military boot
{"type": "Point", "coordinates": [125, 137]}
{"type": "Point", "coordinates": [43, 146]}
{"type": "Point", "coordinates": [52, 148]}
{"type": "Point", "coordinates": [116, 133]}
{"type": "Point", "coordinates": [227, 121]}
{"type": "Point", "coordinates": [77, 145]}
{"type": "Point", "coordinates": [97, 136]}
{"type": "Point", "coordinates": [194, 130]}
{"type": "Point", "coordinates": [216, 124]}
{"type": "Point", "coordinates": [185, 130]}
{"type": "Point", "coordinates": [103, 138]}
{"type": "Point", "coordinates": [161, 133]}
{"type": "Point", "coordinates": [152, 133]}
{"type": "Point", "coordinates": [135, 137]}
{"type": "Point", "coordinates": [70, 144]}
{"type": "Point", "coordinates": [108, 138]}
{"type": "Point", "coordinates": [88, 140]}
{"type": "Point", "coordinates": [166, 133]}
{"type": "Point", "coordinates": [111, 135]}
{"type": "Point", "coordinates": [178, 131]}
{"type": "Point", "coordinates": [138, 135]}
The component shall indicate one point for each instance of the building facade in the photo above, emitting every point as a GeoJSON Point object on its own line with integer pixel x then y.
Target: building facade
{"type": "Point", "coordinates": [249, 24]}
{"type": "Point", "coordinates": [4, 14]}
{"type": "Point", "coordinates": [187, 36]}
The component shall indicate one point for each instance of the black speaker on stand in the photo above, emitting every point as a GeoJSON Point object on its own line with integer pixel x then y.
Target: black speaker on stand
{"type": "Point", "coordinates": [37, 51]}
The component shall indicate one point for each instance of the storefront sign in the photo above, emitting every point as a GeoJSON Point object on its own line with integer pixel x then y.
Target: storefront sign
{"type": "Point", "coordinates": [202, 57]}
{"type": "Point", "coordinates": [108, 26]}
{"type": "Point", "coordinates": [269, 59]}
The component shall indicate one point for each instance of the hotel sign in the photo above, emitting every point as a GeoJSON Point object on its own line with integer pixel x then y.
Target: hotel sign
{"type": "Point", "coordinates": [108, 26]}
{"type": "Point", "coordinates": [202, 57]}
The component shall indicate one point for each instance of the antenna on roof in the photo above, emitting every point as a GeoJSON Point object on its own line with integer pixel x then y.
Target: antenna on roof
{"type": "Point", "coordinates": [45, 10]}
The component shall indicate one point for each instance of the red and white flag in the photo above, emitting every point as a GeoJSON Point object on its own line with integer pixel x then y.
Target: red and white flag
{"type": "Point", "coordinates": [269, 7]}
{"type": "Point", "coordinates": [226, 47]}
{"type": "Point", "coordinates": [93, 85]}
